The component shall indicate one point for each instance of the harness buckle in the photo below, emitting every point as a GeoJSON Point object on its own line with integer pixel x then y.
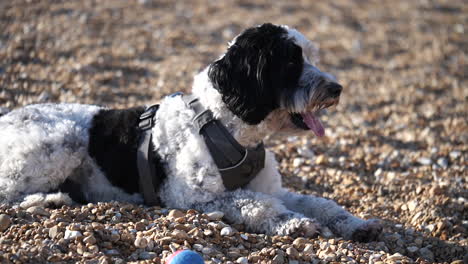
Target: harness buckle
{"type": "Point", "coordinates": [147, 118]}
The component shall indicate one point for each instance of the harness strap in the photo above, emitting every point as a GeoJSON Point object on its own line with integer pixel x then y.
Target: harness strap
{"type": "Point", "coordinates": [148, 180]}
{"type": "Point", "coordinates": [237, 165]}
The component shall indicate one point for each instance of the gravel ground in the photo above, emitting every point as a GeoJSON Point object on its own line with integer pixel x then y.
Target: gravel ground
{"type": "Point", "coordinates": [396, 148]}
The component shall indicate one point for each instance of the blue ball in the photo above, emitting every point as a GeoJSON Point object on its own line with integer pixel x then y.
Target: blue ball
{"type": "Point", "coordinates": [185, 257]}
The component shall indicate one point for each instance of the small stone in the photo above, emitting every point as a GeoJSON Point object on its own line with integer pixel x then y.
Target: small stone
{"type": "Point", "coordinates": [320, 160]}
{"type": "Point", "coordinates": [198, 247]}
{"type": "Point", "coordinates": [180, 234]}
{"type": "Point", "coordinates": [426, 254]}
{"type": "Point", "coordinates": [90, 240]}
{"type": "Point", "coordinates": [306, 152]}
{"type": "Point", "coordinates": [207, 250]}
{"type": "Point", "coordinates": [227, 231]}
{"type": "Point", "coordinates": [457, 262]}
{"type": "Point", "coordinates": [454, 154]}
{"type": "Point", "coordinates": [175, 214]}
{"type": "Point", "coordinates": [412, 205]}
{"type": "Point", "coordinates": [215, 216]}
{"type": "Point", "coordinates": [141, 242]}
{"type": "Point", "coordinates": [443, 162]}
{"type": "Point", "coordinates": [299, 242]}
{"type": "Point", "coordinates": [147, 255]}
{"type": "Point", "coordinates": [242, 260]}
{"type": "Point", "coordinates": [395, 257]}
{"type": "Point", "coordinates": [112, 252]}
{"type": "Point", "coordinates": [308, 249]}
{"type": "Point", "coordinates": [43, 97]}
{"type": "Point", "coordinates": [53, 231]}
{"type": "Point", "coordinates": [244, 236]}
{"type": "Point", "coordinates": [69, 234]}
{"type": "Point", "coordinates": [140, 226]}
{"type": "Point", "coordinates": [5, 222]}
{"type": "Point", "coordinates": [425, 161]}
{"type": "Point", "coordinates": [278, 260]}
{"type": "Point", "coordinates": [37, 210]}
{"type": "Point", "coordinates": [412, 249]}
{"type": "Point", "coordinates": [298, 162]}
{"type": "Point", "coordinates": [292, 252]}
{"type": "Point", "coordinates": [208, 232]}
{"type": "Point", "coordinates": [293, 261]}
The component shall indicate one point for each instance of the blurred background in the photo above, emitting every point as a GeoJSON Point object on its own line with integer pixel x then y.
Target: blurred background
{"type": "Point", "coordinates": [397, 143]}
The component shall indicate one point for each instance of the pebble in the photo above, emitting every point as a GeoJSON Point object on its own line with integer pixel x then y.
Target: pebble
{"type": "Point", "coordinates": [37, 210]}
{"type": "Point", "coordinates": [298, 162]}
{"type": "Point", "coordinates": [147, 255]}
{"type": "Point", "coordinates": [412, 249]}
{"type": "Point", "coordinates": [443, 162]}
{"type": "Point", "coordinates": [308, 249]}
{"type": "Point", "coordinates": [141, 242]}
{"type": "Point", "coordinates": [139, 226]}
{"type": "Point", "coordinates": [454, 154]}
{"type": "Point", "coordinates": [53, 231]}
{"type": "Point", "coordinates": [426, 254]}
{"type": "Point", "coordinates": [292, 252]}
{"type": "Point", "coordinates": [112, 252]}
{"type": "Point", "coordinates": [207, 250]}
{"type": "Point", "coordinates": [175, 214]}
{"type": "Point", "coordinates": [69, 234]}
{"type": "Point", "coordinates": [90, 240]}
{"type": "Point", "coordinates": [395, 257]}
{"type": "Point", "coordinates": [215, 216]}
{"type": "Point", "coordinates": [277, 260]}
{"type": "Point", "coordinates": [180, 234]}
{"type": "Point", "coordinates": [425, 161]}
{"type": "Point", "coordinates": [5, 222]}
{"type": "Point", "coordinates": [227, 231]}
{"type": "Point", "coordinates": [298, 242]}
{"type": "Point", "coordinates": [320, 160]}
{"type": "Point", "coordinates": [242, 260]}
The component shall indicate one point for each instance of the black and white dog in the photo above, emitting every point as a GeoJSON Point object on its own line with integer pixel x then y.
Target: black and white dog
{"type": "Point", "coordinates": [266, 82]}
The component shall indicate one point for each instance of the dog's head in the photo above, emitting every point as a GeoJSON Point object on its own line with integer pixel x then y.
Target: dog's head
{"type": "Point", "coordinates": [268, 69]}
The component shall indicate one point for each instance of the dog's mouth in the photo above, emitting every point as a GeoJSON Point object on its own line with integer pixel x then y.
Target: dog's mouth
{"type": "Point", "coordinates": [309, 119]}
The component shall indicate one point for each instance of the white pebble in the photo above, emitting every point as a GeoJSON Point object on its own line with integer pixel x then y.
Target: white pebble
{"type": "Point", "coordinates": [72, 234]}
{"type": "Point", "coordinates": [242, 260]}
{"type": "Point", "coordinates": [227, 231]}
{"type": "Point", "coordinates": [215, 216]}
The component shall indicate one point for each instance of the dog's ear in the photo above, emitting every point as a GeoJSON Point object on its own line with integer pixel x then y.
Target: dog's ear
{"type": "Point", "coordinates": [239, 79]}
{"type": "Point", "coordinates": [252, 73]}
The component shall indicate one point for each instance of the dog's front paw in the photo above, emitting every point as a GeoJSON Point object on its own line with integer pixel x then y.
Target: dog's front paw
{"type": "Point", "coordinates": [368, 231]}
{"type": "Point", "coordinates": [303, 227]}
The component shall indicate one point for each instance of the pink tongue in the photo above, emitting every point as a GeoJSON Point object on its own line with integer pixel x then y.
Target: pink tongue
{"type": "Point", "coordinates": [314, 124]}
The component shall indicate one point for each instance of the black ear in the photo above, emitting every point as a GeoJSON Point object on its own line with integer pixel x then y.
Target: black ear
{"type": "Point", "coordinates": [255, 70]}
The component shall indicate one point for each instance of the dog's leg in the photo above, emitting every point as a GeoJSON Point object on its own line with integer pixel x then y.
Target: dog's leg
{"type": "Point", "coordinates": [333, 216]}
{"type": "Point", "coordinates": [46, 199]}
{"type": "Point", "coordinates": [260, 213]}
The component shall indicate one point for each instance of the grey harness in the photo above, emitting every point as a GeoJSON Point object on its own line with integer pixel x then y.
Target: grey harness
{"type": "Point", "coordinates": [237, 165]}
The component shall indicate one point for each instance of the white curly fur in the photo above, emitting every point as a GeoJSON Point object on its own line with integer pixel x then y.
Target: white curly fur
{"type": "Point", "coordinates": [42, 145]}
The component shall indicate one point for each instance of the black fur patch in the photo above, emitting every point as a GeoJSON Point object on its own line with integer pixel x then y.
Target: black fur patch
{"type": "Point", "coordinates": [113, 143]}
{"type": "Point", "coordinates": [260, 67]}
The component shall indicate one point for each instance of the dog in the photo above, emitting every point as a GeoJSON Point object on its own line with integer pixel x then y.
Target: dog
{"type": "Point", "coordinates": [266, 82]}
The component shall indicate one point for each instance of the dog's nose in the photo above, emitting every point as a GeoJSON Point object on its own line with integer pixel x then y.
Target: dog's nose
{"type": "Point", "coordinates": [334, 89]}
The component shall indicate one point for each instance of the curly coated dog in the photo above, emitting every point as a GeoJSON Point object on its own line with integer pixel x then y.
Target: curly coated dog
{"type": "Point", "coordinates": [265, 83]}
